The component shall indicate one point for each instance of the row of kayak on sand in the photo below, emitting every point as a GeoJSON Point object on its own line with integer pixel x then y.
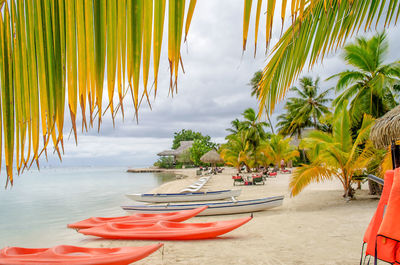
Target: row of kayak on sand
{"type": "Point", "coordinates": [144, 226]}
{"type": "Point", "coordinates": [146, 222]}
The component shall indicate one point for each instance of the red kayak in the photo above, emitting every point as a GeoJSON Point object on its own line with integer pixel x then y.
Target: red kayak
{"type": "Point", "coordinates": [164, 230]}
{"type": "Point", "coordinates": [75, 255]}
{"type": "Point", "coordinates": [139, 218]}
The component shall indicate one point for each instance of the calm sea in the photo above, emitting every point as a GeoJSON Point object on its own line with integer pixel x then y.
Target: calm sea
{"type": "Point", "coordinates": [35, 212]}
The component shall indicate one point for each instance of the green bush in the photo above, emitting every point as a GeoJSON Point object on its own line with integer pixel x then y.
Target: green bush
{"type": "Point", "coordinates": [165, 162]}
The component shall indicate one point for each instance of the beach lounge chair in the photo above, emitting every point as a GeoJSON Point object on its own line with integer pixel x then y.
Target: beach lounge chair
{"type": "Point", "coordinates": [197, 185]}
{"type": "Point", "coordinates": [258, 180]}
{"type": "Point", "coordinates": [238, 180]}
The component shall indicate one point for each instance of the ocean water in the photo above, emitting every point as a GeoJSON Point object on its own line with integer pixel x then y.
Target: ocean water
{"type": "Point", "coordinates": [36, 210]}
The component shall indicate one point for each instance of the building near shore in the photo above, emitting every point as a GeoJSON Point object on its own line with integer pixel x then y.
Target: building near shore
{"type": "Point", "coordinates": [175, 153]}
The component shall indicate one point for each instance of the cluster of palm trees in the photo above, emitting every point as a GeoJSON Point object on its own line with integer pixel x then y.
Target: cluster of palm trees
{"type": "Point", "coordinates": [339, 146]}
{"type": "Point", "coordinates": [334, 133]}
{"type": "Point", "coordinates": [251, 146]}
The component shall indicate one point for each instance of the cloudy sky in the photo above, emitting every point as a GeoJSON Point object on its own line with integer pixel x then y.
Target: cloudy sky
{"type": "Point", "coordinates": [213, 92]}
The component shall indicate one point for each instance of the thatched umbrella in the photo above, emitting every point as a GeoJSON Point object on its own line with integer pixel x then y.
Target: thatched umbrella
{"type": "Point", "coordinates": [386, 129]}
{"type": "Point", "coordinates": [211, 157]}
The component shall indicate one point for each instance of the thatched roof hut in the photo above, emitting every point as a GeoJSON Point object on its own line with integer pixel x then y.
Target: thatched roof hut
{"type": "Point", "coordinates": [184, 145]}
{"type": "Point", "coordinates": [386, 129]}
{"type": "Point", "coordinates": [211, 157]}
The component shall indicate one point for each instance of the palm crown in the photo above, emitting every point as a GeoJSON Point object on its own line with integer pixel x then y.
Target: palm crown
{"type": "Point", "coordinates": [372, 86]}
{"type": "Point", "coordinates": [335, 154]}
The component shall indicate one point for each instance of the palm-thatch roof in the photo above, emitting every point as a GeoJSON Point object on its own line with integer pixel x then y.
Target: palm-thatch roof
{"type": "Point", "coordinates": [167, 153]}
{"type": "Point", "coordinates": [211, 157]}
{"type": "Point", "coordinates": [184, 145]}
{"type": "Point", "coordinates": [386, 129]}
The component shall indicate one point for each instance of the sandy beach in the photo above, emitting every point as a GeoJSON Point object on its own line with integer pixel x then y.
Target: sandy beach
{"type": "Point", "coordinates": [316, 227]}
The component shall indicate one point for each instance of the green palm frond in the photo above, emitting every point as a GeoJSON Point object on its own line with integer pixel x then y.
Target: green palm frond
{"type": "Point", "coordinates": [52, 48]}
{"type": "Point", "coordinates": [317, 28]}
{"type": "Point", "coordinates": [370, 88]}
{"type": "Point", "coordinates": [335, 154]}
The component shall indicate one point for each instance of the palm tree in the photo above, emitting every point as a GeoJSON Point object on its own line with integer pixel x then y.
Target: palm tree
{"type": "Point", "coordinates": [255, 92]}
{"type": "Point", "coordinates": [288, 122]}
{"type": "Point", "coordinates": [254, 128]}
{"type": "Point", "coordinates": [251, 132]}
{"type": "Point", "coordinates": [237, 151]}
{"type": "Point", "coordinates": [372, 86]}
{"type": "Point", "coordinates": [278, 148]}
{"type": "Point", "coordinates": [308, 104]}
{"type": "Point", "coordinates": [317, 29]}
{"type": "Point", "coordinates": [236, 127]}
{"type": "Point", "coordinates": [335, 155]}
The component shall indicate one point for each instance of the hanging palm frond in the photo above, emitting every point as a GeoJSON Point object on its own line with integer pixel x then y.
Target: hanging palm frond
{"type": "Point", "coordinates": [50, 48]}
{"type": "Point", "coordinates": [318, 28]}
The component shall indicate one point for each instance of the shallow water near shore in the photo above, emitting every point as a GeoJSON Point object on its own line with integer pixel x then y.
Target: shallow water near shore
{"type": "Point", "coordinates": [35, 212]}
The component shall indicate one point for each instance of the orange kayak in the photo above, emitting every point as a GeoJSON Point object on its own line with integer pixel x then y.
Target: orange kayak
{"type": "Point", "coordinates": [65, 255]}
{"type": "Point", "coordinates": [178, 216]}
{"type": "Point", "coordinates": [164, 230]}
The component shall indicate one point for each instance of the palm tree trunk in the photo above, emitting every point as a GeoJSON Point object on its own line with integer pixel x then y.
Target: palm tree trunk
{"type": "Point", "coordinates": [303, 153]}
{"type": "Point", "coordinates": [315, 121]}
{"type": "Point", "coordinates": [348, 190]}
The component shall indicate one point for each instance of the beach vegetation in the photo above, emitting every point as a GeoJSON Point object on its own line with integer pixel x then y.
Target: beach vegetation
{"type": "Point", "coordinates": [237, 152]}
{"type": "Point", "coordinates": [308, 103]}
{"type": "Point", "coordinates": [305, 108]}
{"type": "Point", "coordinates": [189, 135]}
{"type": "Point", "coordinates": [251, 131]}
{"type": "Point", "coordinates": [165, 162]}
{"type": "Point", "coordinates": [335, 155]}
{"type": "Point", "coordinates": [198, 149]}
{"type": "Point", "coordinates": [276, 149]}
{"type": "Point", "coordinates": [371, 86]}
{"type": "Point", "coordinates": [184, 158]}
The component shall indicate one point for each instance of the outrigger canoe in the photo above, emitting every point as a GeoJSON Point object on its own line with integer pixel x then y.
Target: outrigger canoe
{"type": "Point", "coordinates": [165, 230]}
{"type": "Point", "coordinates": [215, 208]}
{"type": "Point", "coordinates": [178, 216]}
{"type": "Point", "coordinates": [185, 197]}
{"type": "Point", "coordinates": [68, 255]}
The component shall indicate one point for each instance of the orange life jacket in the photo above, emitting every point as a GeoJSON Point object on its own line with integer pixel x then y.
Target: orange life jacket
{"type": "Point", "coordinates": [373, 227]}
{"type": "Point", "coordinates": [388, 237]}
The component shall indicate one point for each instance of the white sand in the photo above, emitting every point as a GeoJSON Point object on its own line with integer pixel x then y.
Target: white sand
{"type": "Point", "coordinates": [316, 227]}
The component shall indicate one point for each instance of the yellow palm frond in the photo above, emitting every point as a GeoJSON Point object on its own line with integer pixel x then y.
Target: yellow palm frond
{"type": "Point", "coordinates": [53, 47]}
{"type": "Point", "coordinates": [304, 175]}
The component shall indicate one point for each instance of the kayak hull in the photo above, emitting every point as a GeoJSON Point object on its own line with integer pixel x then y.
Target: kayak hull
{"type": "Point", "coordinates": [165, 230]}
{"type": "Point", "coordinates": [177, 216]}
{"type": "Point", "coordinates": [184, 197]}
{"type": "Point", "coordinates": [68, 255]}
{"type": "Point", "coordinates": [218, 208]}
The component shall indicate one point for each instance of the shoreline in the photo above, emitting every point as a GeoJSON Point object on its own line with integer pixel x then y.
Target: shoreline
{"type": "Point", "coordinates": [316, 227]}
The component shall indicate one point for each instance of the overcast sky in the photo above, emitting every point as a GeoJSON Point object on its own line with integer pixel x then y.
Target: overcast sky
{"type": "Point", "coordinates": [213, 92]}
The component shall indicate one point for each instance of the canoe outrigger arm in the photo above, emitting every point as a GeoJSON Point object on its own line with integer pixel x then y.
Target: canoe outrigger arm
{"type": "Point", "coordinates": [375, 179]}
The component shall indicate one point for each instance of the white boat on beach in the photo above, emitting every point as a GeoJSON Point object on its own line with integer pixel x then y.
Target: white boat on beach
{"type": "Point", "coordinates": [185, 197]}
{"type": "Point", "coordinates": [215, 208]}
